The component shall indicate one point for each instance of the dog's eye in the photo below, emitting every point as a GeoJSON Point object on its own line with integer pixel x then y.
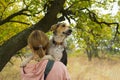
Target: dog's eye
{"type": "Point", "coordinates": [63, 25]}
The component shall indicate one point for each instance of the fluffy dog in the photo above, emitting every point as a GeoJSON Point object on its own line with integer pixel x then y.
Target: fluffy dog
{"type": "Point", "coordinates": [58, 44]}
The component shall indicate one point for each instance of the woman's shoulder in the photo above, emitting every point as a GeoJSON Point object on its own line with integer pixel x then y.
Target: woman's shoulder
{"type": "Point", "coordinates": [59, 64]}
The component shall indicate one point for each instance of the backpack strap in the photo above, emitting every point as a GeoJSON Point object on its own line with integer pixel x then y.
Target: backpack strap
{"type": "Point", "coordinates": [48, 68]}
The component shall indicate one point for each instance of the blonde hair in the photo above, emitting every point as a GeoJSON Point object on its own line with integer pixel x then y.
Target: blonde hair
{"type": "Point", "coordinates": [38, 42]}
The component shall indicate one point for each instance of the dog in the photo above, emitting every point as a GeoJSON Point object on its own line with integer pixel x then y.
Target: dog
{"type": "Point", "coordinates": [58, 45]}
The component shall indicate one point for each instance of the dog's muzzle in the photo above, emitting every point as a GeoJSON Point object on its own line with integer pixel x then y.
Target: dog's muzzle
{"type": "Point", "coordinates": [68, 32]}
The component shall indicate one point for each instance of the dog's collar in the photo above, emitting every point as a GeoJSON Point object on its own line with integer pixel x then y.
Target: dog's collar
{"type": "Point", "coordinates": [57, 43]}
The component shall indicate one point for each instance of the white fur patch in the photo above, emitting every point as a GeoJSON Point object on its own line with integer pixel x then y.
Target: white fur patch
{"type": "Point", "coordinates": [56, 51]}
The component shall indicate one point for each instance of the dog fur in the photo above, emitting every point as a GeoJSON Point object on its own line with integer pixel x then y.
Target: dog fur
{"type": "Point", "coordinates": [58, 44]}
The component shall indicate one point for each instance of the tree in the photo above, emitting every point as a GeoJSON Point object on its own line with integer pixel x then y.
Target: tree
{"type": "Point", "coordinates": [92, 29]}
{"type": "Point", "coordinates": [10, 47]}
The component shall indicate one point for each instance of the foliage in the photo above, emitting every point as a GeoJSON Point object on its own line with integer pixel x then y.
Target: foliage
{"type": "Point", "coordinates": [92, 30]}
{"type": "Point", "coordinates": [18, 22]}
{"type": "Point", "coordinates": [95, 31]}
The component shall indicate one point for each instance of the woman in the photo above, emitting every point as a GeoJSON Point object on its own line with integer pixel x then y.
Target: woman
{"type": "Point", "coordinates": [39, 43]}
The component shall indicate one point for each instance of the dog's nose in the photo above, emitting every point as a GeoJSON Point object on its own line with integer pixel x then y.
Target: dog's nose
{"type": "Point", "coordinates": [70, 31]}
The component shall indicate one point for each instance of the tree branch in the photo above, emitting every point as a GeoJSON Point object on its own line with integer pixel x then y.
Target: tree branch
{"type": "Point", "coordinates": [12, 16]}
{"type": "Point", "coordinates": [2, 4]}
{"type": "Point", "coordinates": [93, 17]}
{"type": "Point", "coordinates": [19, 22]}
{"type": "Point", "coordinates": [5, 6]}
{"type": "Point", "coordinates": [21, 12]}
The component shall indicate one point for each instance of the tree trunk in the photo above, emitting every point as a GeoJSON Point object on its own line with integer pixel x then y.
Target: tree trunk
{"type": "Point", "coordinates": [17, 42]}
{"type": "Point", "coordinates": [89, 54]}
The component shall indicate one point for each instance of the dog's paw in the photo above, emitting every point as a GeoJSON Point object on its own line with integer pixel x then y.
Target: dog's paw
{"type": "Point", "coordinates": [26, 61]}
{"type": "Point", "coordinates": [49, 57]}
{"type": "Point", "coordinates": [23, 65]}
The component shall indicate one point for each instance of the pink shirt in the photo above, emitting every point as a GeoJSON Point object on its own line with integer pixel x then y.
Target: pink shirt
{"type": "Point", "coordinates": [36, 71]}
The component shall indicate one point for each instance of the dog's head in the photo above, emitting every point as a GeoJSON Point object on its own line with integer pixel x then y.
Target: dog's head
{"type": "Point", "coordinates": [61, 29]}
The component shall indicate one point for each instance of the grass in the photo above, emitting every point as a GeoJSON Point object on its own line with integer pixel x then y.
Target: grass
{"type": "Point", "coordinates": [11, 72]}
{"type": "Point", "coordinates": [78, 66]}
{"type": "Point", "coordinates": [81, 69]}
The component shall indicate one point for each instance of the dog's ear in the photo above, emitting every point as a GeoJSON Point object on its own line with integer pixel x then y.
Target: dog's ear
{"type": "Point", "coordinates": [53, 27]}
